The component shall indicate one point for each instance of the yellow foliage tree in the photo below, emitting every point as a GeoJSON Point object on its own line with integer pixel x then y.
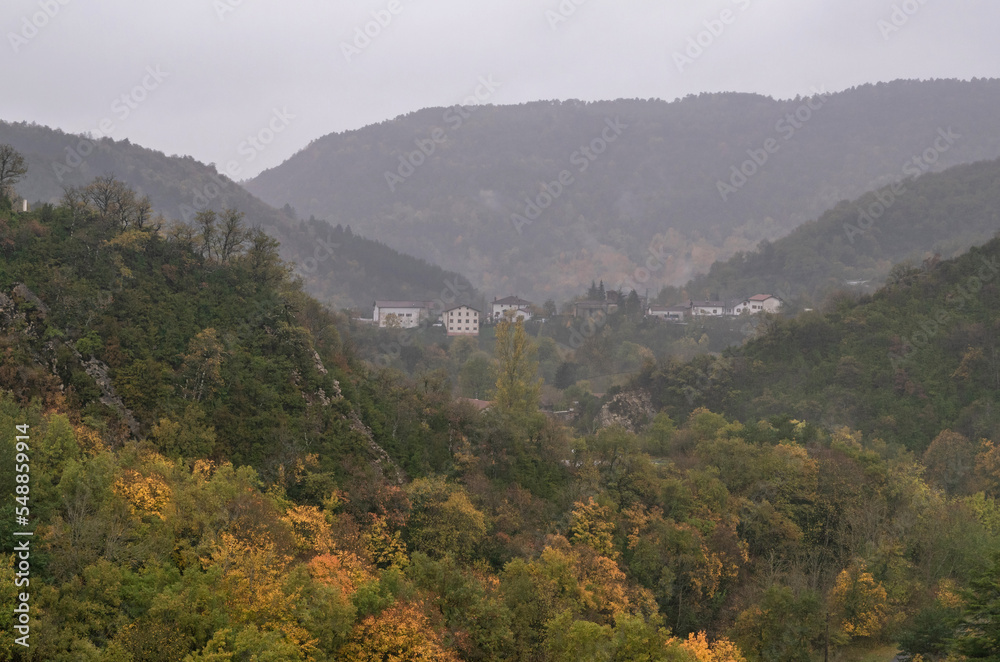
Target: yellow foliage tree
{"type": "Point", "coordinates": [311, 531]}
{"type": "Point", "coordinates": [145, 494]}
{"type": "Point", "coordinates": [401, 633]}
{"type": "Point", "coordinates": [721, 650]}
{"type": "Point", "coordinates": [591, 524]}
{"type": "Point", "coordinates": [252, 580]}
{"type": "Point", "coordinates": [860, 602]}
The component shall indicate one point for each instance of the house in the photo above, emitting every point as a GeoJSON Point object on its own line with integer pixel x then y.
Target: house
{"type": "Point", "coordinates": [461, 321]}
{"type": "Point", "coordinates": [709, 308]}
{"type": "Point", "coordinates": [500, 306]}
{"type": "Point", "coordinates": [763, 303]}
{"type": "Point", "coordinates": [669, 313]}
{"type": "Point", "coordinates": [405, 314]}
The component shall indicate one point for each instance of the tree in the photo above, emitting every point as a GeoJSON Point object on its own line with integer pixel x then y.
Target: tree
{"type": "Point", "coordinates": [12, 169]}
{"type": "Point", "coordinates": [232, 235]}
{"type": "Point", "coordinates": [474, 379]}
{"type": "Point", "coordinates": [206, 221]}
{"type": "Point", "coordinates": [860, 602]}
{"type": "Point", "coordinates": [117, 204]}
{"type": "Point", "coordinates": [780, 627]}
{"type": "Point", "coordinates": [517, 384]}
{"type": "Point", "coordinates": [401, 633]}
{"type": "Point", "coordinates": [443, 520]}
{"type": "Point", "coordinates": [979, 634]}
{"type": "Point", "coordinates": [950, 460]}
{"type": "Point", "coordinates": [633, 306]}
{"type": "Point", "coordinates": [549, 308]}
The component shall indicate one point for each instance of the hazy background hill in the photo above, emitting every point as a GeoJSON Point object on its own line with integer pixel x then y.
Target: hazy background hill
{"type": "Point", "coordinates": [655, 184]}
{"type": "Point", "coordinates": [939, 214]}
{"type": "Point", "coordinates": [342, 270]}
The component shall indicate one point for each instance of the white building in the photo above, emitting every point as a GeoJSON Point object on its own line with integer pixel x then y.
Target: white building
{"type": "Point", "coordinates": [500, 306]}
{"type": "Point", "coordinates": [758, 303]}
{"type": "Point", "coordinates": [709, 308]}
{"type": "Point", "coordinates": [408, 314]}
{"type": "Point", "coordinates": [669, 313]}
{"type": "Point", "coordinates": [461, 321]}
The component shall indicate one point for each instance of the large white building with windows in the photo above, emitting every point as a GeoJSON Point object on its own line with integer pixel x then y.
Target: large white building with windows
{"type": "Point", "coordinates": [401, 314]}
{"type": "Point", "coordinates": [461, 321]}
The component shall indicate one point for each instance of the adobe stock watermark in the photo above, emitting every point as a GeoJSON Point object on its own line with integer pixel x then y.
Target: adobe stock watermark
{"type": "Point", "coordinates": [454, 117]}
{"type": "Point", "coordinates": [589, 327]}
{"type": "Point", "coordinates": [323, 250]}
{"type": "Point", "coordinates": [698, 44]}
{"type": "Point", "coordinates": [886, 197]}
{"type": "Point", "coordinates": [656, 260]}
{"type": "Point", "coordinates": [365, 35]}
{"type": "Point", "coordinates": [957, 298]}
{"type": "Point", "coordinates": [32, 25]}
{"type": "Point", "coordinates": [581, 158]}
{"type": "Point", "coordinates": [249, 149]}
{"type": "Point", "coordinates": [787, 127]}
{"type": "Point", "coordinates": [899, 18]}
{"type": "Point", "coordinates": [122, 108]}
{"type": "Point", "coordinates": [566, 10]}
{"type": "Point", "coordinates": [225, 7]}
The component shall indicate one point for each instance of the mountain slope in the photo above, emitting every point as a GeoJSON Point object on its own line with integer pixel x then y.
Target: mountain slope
{"type": "Point", "coordinates": [859, 241]}
{"type": "Point", "coordinates": [615, 181]}
{"type": "Point", "coordinates": [180, 187]}
{"type": "Point", "coordinates": [919, 356]}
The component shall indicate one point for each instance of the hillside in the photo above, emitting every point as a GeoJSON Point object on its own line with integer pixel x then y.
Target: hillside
{"type": "Point", "coordinates": [653, 190]}
{"type": "Point", "coordinates": [858, 242]}
{"type": "Point", "coordinates": [210, 473]}
{"type": "Point", "coordinates": [917, 357]}
{"type": "Point", "coordinates": [341, 271]}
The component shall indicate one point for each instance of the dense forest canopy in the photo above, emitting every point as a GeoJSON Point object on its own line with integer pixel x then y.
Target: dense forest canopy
{"type": "Point", "coordinates": [217, 476]}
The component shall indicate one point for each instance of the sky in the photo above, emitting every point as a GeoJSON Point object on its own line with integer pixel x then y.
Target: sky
{"type": "Point", "coordinates": [252, 82]}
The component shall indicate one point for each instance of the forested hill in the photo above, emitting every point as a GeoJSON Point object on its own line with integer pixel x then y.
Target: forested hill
{"type": "Point", "coordinates": [654, 184]}
{"type": "Point", "coordinates": [854, 245]}
{"type": "Point", "coordinates": [919, 356]}
{"type": "Point", "coordinates": [210, 474]}
{"type": "Point", "coordinates": [340, 271]}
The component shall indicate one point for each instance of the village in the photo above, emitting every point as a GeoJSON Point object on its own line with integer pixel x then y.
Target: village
{"type": "Point", "coordinates": [465, 320]}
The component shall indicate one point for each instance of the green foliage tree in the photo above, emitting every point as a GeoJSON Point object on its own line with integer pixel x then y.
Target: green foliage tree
{"type": "Point", "coordinates": [978, 634]}
{"type": "Point", "coordinates": [517, 386]}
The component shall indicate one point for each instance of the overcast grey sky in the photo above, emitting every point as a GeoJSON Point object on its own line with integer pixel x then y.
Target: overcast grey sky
{"type": "Point", "coordinates": [201, 76]}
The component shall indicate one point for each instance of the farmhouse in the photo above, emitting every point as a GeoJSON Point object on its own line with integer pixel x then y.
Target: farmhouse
{"type": "Point", "coordinates": [461, 321]}
{"type": "Point", "coordinates": [500, 306]}
{"type": "Point", "coordinates": [710, 308]}
{"type": "Point", "coordinates": [764, 303]}
{"type": "Point", "coordinates": [404, 314]}
{"type": "Point", "coordinates": [669, 313]}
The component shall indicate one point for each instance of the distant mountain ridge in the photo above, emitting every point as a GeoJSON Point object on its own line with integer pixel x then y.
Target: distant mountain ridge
{"type": "Point", "coordinates": [451, 185]}
{"type": "Point", "coordinates": [342, 270]}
